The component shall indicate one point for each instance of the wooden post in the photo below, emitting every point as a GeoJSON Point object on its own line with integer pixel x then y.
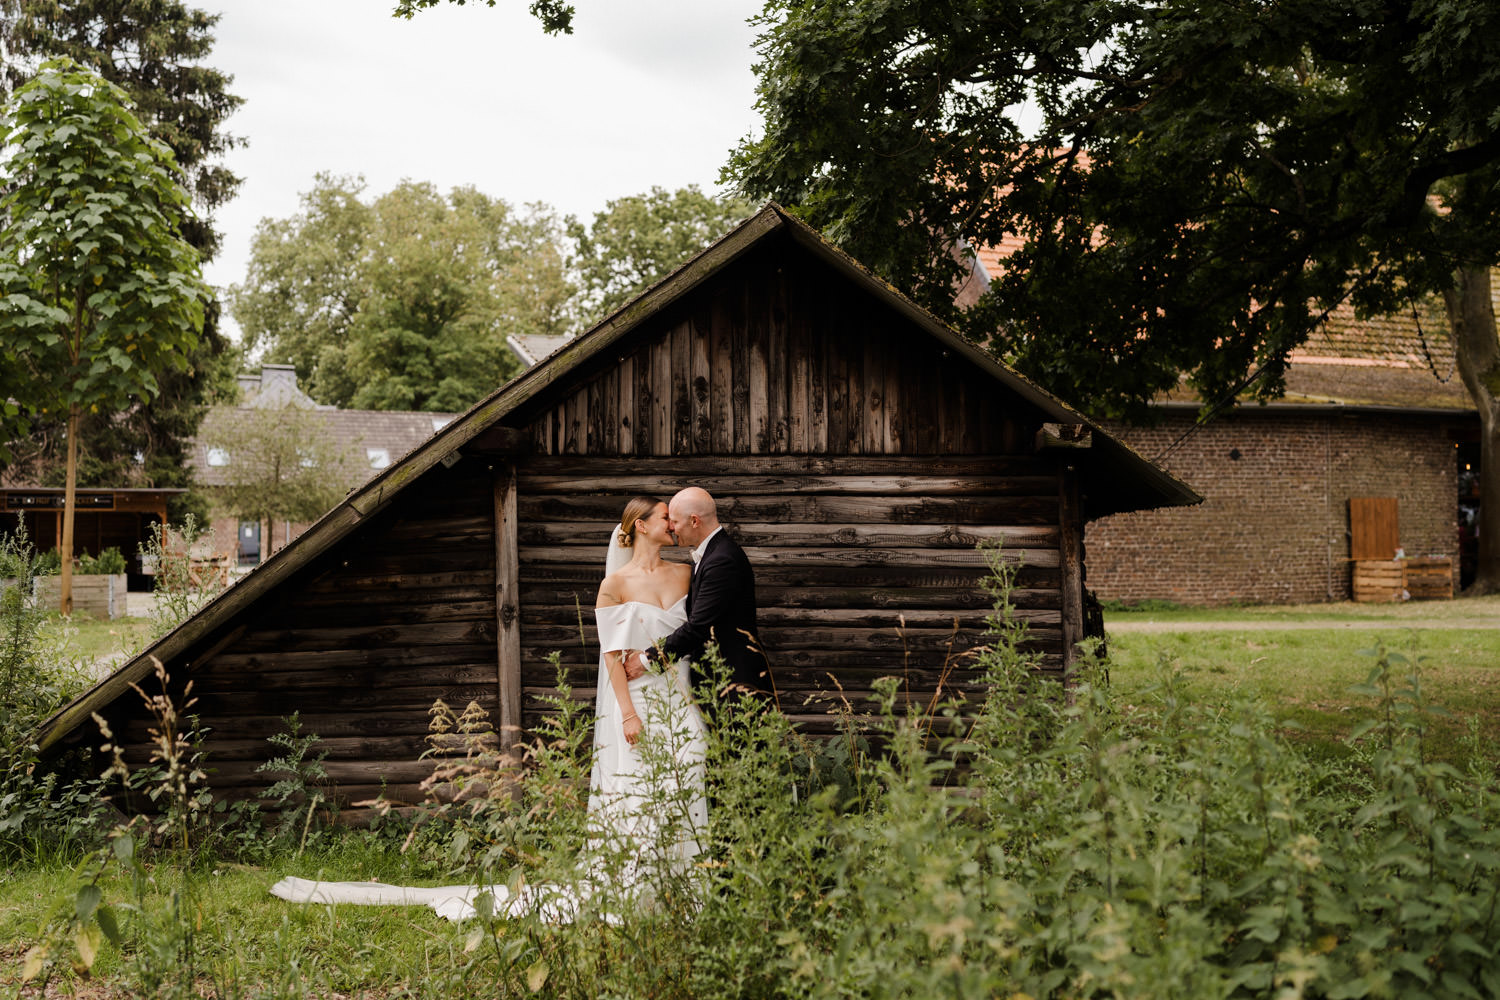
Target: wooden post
{"type": "Point", "coordinates": [1070, 542]}
{"type": "Point", "coordinates": [507, 608]}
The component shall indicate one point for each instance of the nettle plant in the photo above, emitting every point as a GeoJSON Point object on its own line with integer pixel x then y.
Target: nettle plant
{"type": "Point", "coordinates": [1040, 839]}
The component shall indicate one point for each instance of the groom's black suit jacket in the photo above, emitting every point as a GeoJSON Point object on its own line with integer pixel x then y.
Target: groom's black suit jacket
{"type": "Point", "coordinates": [721, 609]}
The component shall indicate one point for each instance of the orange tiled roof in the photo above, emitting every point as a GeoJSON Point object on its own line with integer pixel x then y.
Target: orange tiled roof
{"type": "Point", "coordinates": [1402, 360]}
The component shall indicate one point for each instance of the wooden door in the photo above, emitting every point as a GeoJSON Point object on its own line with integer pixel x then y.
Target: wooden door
{"type": "Point", "coordinates": [1373, 528]}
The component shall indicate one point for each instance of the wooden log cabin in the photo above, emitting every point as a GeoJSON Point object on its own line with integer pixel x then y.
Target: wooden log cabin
{"type": "Point", "coordinates": [858, 449]}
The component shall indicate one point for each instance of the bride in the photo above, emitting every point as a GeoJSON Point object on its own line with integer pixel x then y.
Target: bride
{"type": "Point", "coordinates": [646, 791]}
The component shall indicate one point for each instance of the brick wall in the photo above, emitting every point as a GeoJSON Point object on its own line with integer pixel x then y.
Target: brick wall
{"type": "Point", "coordinates": [1274, 524]}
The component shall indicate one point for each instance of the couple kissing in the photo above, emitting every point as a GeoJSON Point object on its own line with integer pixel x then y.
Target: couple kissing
{"type": "Point", "coordinates": [711, 601]}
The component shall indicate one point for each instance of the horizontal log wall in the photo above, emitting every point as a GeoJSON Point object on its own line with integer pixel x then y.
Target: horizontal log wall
{"type": "Point", "coordinates": [398, 615]}
{"type": "Point", "coordinates": [842, 550]}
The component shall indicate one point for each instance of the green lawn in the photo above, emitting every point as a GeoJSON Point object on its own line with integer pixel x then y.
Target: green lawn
{"type": "Point", "coordinates": [249, 943]}
{"type": "Point", "coordinates": [95, 638]}
{"type": "Point", "coordinates": [1464, 607]}
{"type": "Point", "coordinates": [1305, 675]}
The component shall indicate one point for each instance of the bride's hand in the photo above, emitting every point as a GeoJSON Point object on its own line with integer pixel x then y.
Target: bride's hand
{"type": "Point", "coordinates": [632, 728]}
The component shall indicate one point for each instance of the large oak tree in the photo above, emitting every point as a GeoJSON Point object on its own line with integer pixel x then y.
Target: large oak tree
{"type": "Point", "coordinates": [1189, 185]}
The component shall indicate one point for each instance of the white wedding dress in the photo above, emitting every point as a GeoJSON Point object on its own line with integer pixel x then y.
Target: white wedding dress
{"type": "Point", "coordinates": [646, 802]}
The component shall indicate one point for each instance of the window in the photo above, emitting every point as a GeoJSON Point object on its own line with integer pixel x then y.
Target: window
{"type": "Point", "coordinates": [218, 457]}
{"type": "Point", "coordinates": [379, 458]}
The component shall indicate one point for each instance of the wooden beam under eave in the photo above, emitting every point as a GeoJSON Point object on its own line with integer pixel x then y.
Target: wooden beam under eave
{"type": "Point", "coordinates": [497, 440]}
{"type": "Point", "coordinates": [507, 607]}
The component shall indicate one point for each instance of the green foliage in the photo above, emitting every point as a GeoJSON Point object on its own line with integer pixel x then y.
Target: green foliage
{"type": "Point", "coordinates": [40, 669]}
{"type": "Point", "coordinates": [638, 240]}
{"type": "Point", "coordinates": [556, 17]}
{"type": "Point", "coordinates": [1044, 838]}
{"type": "Point", "coordinates": [402, 303]}
{"type": "Point", "coordinates": [161, 941]}
{"type": "Point", "coordinates": [302, 788]}
{"type": "Point", "coordinates": [1172, 847]}
{"type": "Point", "coordinates": [1191, 184]}
{"type": "Point", "coordinates": [108, 562]}
{"type": "Point", "coordinates": [156, 51]}
{"type": "Point", "coordinates": [99, 293]}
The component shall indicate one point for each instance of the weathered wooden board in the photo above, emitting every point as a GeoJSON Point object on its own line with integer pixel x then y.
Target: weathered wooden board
{"type": "Point", "coordinates": [670, 480]}
{"type": "Point", "coordinates": [547, 603]}
{"type": "Point", "coordinates": [811, 509]}
{"type": "Point", "coordinates": [802, 535]}
{"type": "Point", "coordinates": [350, 666]}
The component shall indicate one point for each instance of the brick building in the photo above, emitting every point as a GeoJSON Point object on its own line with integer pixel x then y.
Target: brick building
{"type": "Point", "coordinates": [1373, 409]}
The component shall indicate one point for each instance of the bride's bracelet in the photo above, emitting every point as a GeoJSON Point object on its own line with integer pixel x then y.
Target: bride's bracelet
{"type": "Point", "coordinates": [632, 715]}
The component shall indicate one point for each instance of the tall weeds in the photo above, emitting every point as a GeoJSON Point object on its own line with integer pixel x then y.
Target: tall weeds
{"type": "Point", "coordinates": [1041, 839]}
{"type": "Point", "coordinates": [40, 668]}
{"type": "Point", "coordinates": [1170, 848]}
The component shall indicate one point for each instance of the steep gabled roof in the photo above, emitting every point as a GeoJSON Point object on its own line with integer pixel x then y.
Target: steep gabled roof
{"type": "Point", "coordinates": [1114, 478]}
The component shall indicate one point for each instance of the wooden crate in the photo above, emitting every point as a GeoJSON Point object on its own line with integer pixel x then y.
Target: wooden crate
{"type": "Point", "coordinates": [1379, 581]}
{"type": "Point", "coordinates": [1429, 578]}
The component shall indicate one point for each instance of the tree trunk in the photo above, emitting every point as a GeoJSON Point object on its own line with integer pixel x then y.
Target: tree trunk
{"type": "Point", "coordinates": [70, 496]}
{"type": "Point", "coordinates": [1471, 317]}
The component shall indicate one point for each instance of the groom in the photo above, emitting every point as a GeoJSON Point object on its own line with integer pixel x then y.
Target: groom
{"type": "Point", "coordinates": [721, 598]}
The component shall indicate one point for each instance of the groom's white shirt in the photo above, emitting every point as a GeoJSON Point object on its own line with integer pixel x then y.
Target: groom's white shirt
{"type": "Point", "coordinates": [702, 546]}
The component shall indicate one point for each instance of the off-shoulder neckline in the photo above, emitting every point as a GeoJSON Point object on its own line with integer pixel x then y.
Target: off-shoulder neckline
{"type": "Point", "coordinates": [649, 604]}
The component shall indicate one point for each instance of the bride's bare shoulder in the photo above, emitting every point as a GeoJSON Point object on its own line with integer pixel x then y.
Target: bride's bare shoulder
{"type": "Point", "coordinates": [612, 590]}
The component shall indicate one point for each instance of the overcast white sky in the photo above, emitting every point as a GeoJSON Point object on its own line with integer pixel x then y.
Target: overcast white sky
{"type": "Point", "coordinates": [644, 92]}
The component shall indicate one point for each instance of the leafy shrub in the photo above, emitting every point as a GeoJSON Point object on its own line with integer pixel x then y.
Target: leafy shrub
{"type": "Point", "coordinates": [108, 562]}
{"type": "Point", "coordinates": [49, 563]}
{"type": "Point", "coordinates": [1038, 840]}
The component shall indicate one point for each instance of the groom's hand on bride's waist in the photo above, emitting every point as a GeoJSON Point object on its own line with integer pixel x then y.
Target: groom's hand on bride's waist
{"type": "Point", "coordinates": [635, 664]}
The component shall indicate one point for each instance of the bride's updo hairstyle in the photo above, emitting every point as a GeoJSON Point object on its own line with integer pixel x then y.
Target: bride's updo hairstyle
{"type": "Point", "coordinates": [637, 509]}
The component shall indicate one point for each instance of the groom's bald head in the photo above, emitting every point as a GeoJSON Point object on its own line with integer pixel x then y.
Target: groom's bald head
{"type": "Point", "coordinates": [693, 515]}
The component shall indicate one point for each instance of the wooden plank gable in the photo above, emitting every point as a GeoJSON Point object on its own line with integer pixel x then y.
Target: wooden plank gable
{"type": "Point", "coordinates": [780, 355]}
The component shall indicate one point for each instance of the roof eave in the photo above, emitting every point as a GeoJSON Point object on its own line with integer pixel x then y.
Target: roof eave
{"type": "Point", "coordinates": [1285, 406]}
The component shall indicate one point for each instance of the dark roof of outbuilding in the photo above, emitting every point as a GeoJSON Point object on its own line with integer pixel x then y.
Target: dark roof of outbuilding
{"type": "Point", "coordinates": [1114, 478]}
